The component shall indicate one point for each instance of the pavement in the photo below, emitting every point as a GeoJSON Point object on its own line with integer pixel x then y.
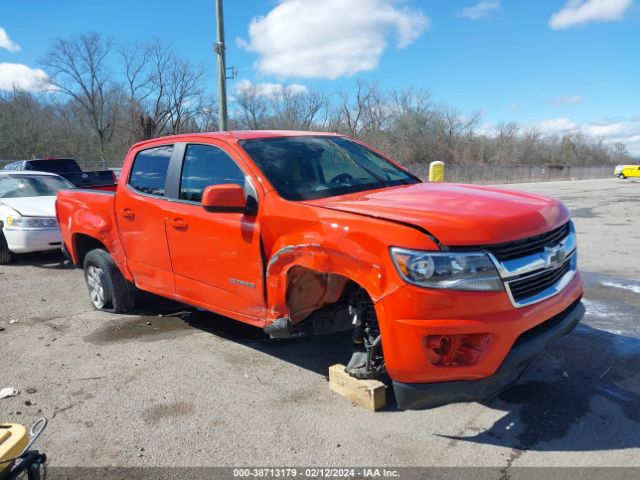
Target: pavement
{"type": "Point", "coordinates": [172, 386]}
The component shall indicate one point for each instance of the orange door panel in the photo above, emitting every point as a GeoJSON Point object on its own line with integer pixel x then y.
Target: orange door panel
{"type": "Point", "coordinates": [215, 256]}
{"type": "Point", "coordinates": [216, 259]}
{"type": "Point", "coordinates": [139, 210]}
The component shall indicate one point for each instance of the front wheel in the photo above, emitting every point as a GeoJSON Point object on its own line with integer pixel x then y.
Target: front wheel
{"type": "Point", "coordinates": [621, 176]}
{"type": "Point", "coordinates": [6, 256]}
{"type": "Point", "coordinates": [108, 289]}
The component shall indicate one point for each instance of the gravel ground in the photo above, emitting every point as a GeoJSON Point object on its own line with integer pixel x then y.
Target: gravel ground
{"type": "Point", "coordinates": [172, 386]}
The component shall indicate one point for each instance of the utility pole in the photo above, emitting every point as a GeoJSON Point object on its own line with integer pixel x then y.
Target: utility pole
{"type": "Point", "coordinates": [222, 70]}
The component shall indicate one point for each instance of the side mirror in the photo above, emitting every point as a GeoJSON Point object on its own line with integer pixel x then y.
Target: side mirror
{"type": "Point", "coordinates": [228, 198]}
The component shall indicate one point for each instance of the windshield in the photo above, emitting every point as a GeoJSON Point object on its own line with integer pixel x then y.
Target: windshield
{"type": "Point", "coordinates": [305, 168]}
{"type": "Point", "coordinates": [12, 186]}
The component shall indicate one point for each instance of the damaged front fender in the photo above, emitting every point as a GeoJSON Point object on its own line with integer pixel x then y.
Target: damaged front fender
{"type": "Point", "coordinates": [302, 278]}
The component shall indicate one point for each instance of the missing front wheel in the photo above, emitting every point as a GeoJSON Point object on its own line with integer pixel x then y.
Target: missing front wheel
{"type": "Point", "coordinates": [367, 360]}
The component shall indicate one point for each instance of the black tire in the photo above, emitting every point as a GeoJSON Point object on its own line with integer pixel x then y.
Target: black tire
{"type": "Point", "coordinates": [6, 256]}
{"type": "Point", "coordinates": [108, 289]}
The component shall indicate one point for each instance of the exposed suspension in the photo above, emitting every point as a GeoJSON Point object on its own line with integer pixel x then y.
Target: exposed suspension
{"type": "Point", "coordinates": [367, 360]}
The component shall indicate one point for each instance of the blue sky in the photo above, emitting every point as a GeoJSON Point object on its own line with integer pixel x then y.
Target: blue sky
{"type": "Point", "coordinates": [559, 65]}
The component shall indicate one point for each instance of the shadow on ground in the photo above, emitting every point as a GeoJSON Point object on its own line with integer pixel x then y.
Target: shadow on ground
{"type": "Point", "coordinates": [581, 396]}
{"type": "Point", "coordinates": [49, 260]}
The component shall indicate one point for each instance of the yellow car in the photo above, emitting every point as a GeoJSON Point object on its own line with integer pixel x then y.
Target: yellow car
{"type": "Point", "coordinates": [626, 171]}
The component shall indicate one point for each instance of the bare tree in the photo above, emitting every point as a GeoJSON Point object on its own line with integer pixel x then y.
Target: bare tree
{"type": "Point", "coordinates": [353, 112]}
{"type": "Point", "coordinates": [98, 113]}
{"type": "Point", "coordinates": [506, 143]}
{"type": "Point", "coordinates": [452, 132]}
{"type": "Point", "coordinates": [204, 117]}
{"type": "Point", "coordinates": [252, 106]}
{"type": "Point", "coordinates": [184, 89]}
{"type": "Point", "coordinates": [297, 110]}
{"type": "Point", "coordinates": [135, 60]}
{"type": "Point", "coordinates": [164, 91]}
{"type": "Point", "coordinates": [78, 68]}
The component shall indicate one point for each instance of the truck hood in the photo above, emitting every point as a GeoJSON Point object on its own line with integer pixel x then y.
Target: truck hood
{"type": "Point", "coordinates": [32, 206]}
{"type": "Point", "coordinates": [457, 215]}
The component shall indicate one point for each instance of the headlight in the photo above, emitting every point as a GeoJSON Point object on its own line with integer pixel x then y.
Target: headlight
{"type": "Point", "coordinates": [31, 222]}
{"type": "Point", "coordinates": [455, 271]}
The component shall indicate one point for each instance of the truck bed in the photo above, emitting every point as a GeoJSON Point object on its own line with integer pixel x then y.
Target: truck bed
{"type": "Point", "coordinates": [88, 212]}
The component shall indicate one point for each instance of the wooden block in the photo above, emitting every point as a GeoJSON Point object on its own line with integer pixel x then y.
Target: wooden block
{"type": "Point", "coordinates": [369, 394]}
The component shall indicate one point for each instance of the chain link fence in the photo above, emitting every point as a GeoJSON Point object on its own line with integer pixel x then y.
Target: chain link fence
{"type": "Point", "coordinates": [479, 174]}
{"type": "Point", "coordinates": [491, 174]}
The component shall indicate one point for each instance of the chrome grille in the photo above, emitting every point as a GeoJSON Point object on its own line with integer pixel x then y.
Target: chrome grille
{"type": "Point", "coordinates": [536, 283]}
{"type": "Point", "coordinates": [528, 246]}
{"type": "Point", "coordinates": [537, 268]}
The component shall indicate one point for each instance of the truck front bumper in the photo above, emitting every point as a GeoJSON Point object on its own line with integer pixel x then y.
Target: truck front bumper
{"type": "Point", "coordinates": [490, 340]}
{"type": "Point", "coordinates": [527, 347]}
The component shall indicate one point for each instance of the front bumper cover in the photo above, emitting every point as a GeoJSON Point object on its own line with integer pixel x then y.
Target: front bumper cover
{"type": "Point", "coordinates": [413, 396]}
{"type": "Point", "coordinates": [32, 240]}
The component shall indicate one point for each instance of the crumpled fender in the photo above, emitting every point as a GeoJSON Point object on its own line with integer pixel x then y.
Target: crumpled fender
{"type": "Point", "coordinates": [320, 259]}
{"type": "Point", "coordinates": [330, 242]}
{"type": "Point", "coordinates": [370, 276]}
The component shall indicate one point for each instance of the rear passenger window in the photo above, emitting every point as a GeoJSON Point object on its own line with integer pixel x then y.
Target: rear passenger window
{"type": "Point", "coordinates": [149, 171]}
{"type": "Point", "coordinates": [205, 165]}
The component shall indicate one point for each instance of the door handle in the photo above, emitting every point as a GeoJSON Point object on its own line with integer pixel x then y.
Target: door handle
{"type": "Point", "coordinates": [128, 214]}
{"type": "Point", "coordinates": [179, 224]}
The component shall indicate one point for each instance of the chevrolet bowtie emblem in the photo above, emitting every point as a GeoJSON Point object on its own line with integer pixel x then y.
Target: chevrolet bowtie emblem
{"type": "Point", "coordinates": [554, 256]}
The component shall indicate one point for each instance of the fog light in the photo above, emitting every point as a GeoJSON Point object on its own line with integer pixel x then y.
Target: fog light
{"type": "Point", "coordinates": [440, 344]}
{"type": "Point", "coordinates": [452, 350]}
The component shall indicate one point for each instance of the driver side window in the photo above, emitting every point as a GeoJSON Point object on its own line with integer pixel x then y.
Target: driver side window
{"type": "Point", "coordinates": [206, 165]}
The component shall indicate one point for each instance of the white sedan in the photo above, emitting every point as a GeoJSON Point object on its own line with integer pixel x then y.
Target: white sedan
{"type": "Point", "coordinates": [28, 212]}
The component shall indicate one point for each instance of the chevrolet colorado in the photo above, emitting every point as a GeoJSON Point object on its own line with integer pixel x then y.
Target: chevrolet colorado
{"type": "Point", "coordinates": [449, 289]}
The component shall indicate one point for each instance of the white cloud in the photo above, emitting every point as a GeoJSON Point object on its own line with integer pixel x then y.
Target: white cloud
{"type": "Point", "coordinates": [22, 77]}
{"type": "Point", "coordinates": [269, 89]}
{"type": "Point", "coordinates": [577, 12]}
{"type": "Point", "coordinates": [562, 101]}
{"type": "Point", "coordinates": [481, 10]}
{"type": "Point", "coordinates": [6, 43]}
{"type": "Point", "coordinates": [557, 126]}
{"type": "Point", "coordinates": [609, 132]}
{"type": "Point", "coordinates": [331, 38]}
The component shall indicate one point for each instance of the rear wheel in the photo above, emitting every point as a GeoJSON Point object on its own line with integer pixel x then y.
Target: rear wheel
{"type": "Point", "coordinates": [5, 254]}
{"type": "Point", "coordinates": [108, 289]}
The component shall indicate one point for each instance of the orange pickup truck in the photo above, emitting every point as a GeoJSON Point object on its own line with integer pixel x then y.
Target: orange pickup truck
{"type": "Point", "coordinates": [449, 289]}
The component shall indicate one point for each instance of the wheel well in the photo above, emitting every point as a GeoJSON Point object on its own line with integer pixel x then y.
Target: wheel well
{"type": "Point", "coordinates": [83, 245]}
{"type": "Point", "coordinates": [325, 303]}
{"type": "Point", "coordinates": [310, 290]}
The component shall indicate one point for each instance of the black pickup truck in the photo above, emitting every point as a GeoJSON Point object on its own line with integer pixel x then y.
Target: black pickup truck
{"type": "Point", "coordinates": [67, 168]}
